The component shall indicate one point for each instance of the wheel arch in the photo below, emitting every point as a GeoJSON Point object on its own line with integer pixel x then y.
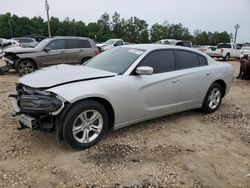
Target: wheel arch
{"type": "Point", "coordinates": [86, 59]}
{"type": "Point", "coordinates": [223, 85]}
{"type": "Point", "coordinates": [27, 58]}
{"type": "Point", "coordinates": [107, 105]}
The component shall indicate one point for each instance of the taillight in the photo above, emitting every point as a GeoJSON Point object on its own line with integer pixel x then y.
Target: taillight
{"type": "Point", "coordinates": [221, 50]}
{"type": "Point", "coordinates": [97, 52]}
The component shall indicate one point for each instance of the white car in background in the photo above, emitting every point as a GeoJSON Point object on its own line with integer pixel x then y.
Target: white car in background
{"type": "Point", "coordinates": [225, 51]}
{"type": "Point", "coordinates": [109, 44]}
{"type": "Point", "coordinates": [245, 51]}
{"type": "Point", "coordinates": [26, 42]}
{"type": "Point", "coordinates": [175, 42]}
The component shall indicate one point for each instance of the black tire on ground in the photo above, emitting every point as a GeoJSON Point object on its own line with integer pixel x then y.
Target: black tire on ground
{"type": "Point", "coordinates": [226, 58]}
{"type": "Point", "coordinates": [25, 66]}
{"type": "Point", "coordinates": [73, 116]}
{"type": "Point", "coordinates": [85, 59]}
{"type": "Point", "coordinates": [206, 107]}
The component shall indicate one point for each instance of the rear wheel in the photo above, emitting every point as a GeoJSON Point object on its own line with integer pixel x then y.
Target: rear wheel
{"type": "Point", "coordinates": [213, 98]}
{"type": "Point", "coordinates": [226, 58]}
{"type": "Point", "coordinates": [86, 123]}
{"type": "Point", "coordinates": [25, 66]}
{"type": "Point", "coordinates": [85, 59]}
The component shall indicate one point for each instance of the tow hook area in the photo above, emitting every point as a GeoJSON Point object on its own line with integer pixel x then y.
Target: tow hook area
{"type": "Point", "coordinates": [26, 121]}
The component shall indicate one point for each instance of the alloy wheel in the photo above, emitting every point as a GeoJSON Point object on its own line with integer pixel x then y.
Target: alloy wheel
{"type": "Point", "coordinates": [87, 126]}
{"type": "Point", "coordinates": [214, 98]}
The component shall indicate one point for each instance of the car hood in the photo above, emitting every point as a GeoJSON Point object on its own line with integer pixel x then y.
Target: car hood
{"type": "Point", "coordinates": [20, 50]}
{"type": "Point", "coordinates": [62, 74]}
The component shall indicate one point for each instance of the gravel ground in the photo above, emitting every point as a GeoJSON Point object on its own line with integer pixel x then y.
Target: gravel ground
{"type": "Point", "coordinates": [188, 149]}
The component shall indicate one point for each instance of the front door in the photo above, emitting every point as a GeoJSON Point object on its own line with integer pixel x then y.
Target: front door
{"type": "Point", "coordinates": [55, 54]}
{"type": "Point", "coordinates": [157, 94]}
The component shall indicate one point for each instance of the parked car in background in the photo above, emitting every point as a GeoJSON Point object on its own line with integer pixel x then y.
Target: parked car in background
{"type": "Point", "coordinates": [37, 37]}
{"type": "Point", "coordinates": [7, 43]}
{"type": "Point", "coordinates": [245, 51]}
{"type": "Point", "coordinates": [51, 51]}
{"type": "Point", "coordinates": [117, 88]}
{"type": "Point", "coordinates": [109, 44]}
{"type": "Point", "coordinates": [175, 42]}
{"type": "Point", "coordinates": [26, 42]}
{"type": "Point", "coordinates": [208, 49]}
{"type": "Point", "coordinates": [225, 51]}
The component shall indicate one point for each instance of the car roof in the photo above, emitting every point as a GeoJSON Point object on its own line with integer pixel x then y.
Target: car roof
{"type": "Point", "coordinates": [151, 47]}
{"type": "Point", "coordinates": [69, 37]}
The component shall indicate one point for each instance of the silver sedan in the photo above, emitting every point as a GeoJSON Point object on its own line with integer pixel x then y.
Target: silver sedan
{"type": "Point", "coordinates": [117, 88]}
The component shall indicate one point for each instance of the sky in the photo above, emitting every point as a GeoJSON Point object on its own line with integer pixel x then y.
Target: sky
{"type": "Point", "coordinates": [208, 15]}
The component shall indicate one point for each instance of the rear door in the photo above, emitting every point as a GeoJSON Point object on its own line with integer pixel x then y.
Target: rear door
{"type": "Point", "coordinates": [194, 76]}
{"type": "Point", "coordinates": [156, 94]}
{"type": "Point", "coordinates": [56, 54]}
{"type": "Point", "coordinates": [78, 50]}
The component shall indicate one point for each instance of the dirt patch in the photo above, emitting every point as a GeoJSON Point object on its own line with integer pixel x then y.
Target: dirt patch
{"type": "Point", "coordinates": [188, 149]}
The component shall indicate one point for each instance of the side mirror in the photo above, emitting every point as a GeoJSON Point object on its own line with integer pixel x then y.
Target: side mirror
{"type": "Point", "coordinates": [144, 70]}
{"type": "Point", "coordinates": [116, 44]}
{"type": "Point", "coordinates": [47, 49]}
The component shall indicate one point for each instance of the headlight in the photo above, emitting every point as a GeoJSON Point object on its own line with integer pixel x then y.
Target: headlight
{"type": "Point", "coordinates": [39, 103]}
{"type": "Point", "coordinates": [33, 91]}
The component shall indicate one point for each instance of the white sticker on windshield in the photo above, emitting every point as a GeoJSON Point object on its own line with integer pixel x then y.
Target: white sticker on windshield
{"type": "Point", "coordinates": [138, 52]}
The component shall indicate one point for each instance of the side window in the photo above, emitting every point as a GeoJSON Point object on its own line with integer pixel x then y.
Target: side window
{"type": "Point", "coordinates": [57, 44]}
{"type": "Point", "coordinates": [179, 44]}
{"type": "Point", "coordinates": [202, 60]}
{"type": "Point", "coordinates": [118, 43]}
{"type": "Point", "coordinates": [238, 47]}
{"type": "Point", "coordinates": [187, 44]}
{"type": "Point", "coordinates": [187, 59]}
{"type": "Point", "coordinates": [74, 43]}
{"type": "Point", "coordinates": [161, 61]}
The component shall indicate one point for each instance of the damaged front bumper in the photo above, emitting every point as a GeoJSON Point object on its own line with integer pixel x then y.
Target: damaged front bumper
{"type": "Point", "coordinates": [36, 111]}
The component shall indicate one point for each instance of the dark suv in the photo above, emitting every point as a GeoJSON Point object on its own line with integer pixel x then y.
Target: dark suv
{"type": "Point", "coordinates": [50, 51]}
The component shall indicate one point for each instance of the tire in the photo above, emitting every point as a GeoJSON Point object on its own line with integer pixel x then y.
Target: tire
{"type": "Point", "coordinates": [25, 66]}
{"type": "Point", "coordinates": [208, 105]}
{"type": "Point", "coordinates": [85, 59]}
{"type": "Point", "coordinates": [226, 58]}
{"type": "Point", "coordinates": [87, 132]}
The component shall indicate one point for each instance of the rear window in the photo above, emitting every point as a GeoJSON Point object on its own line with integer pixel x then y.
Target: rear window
{"type": "Point", "coordinates": [74, 43]}
{"type": "Point", "coordinates": [202, 60]}
{"type": "Point", "coordinates": [224, 46]}
{"type": "Point", "coordinates": [187, 59]}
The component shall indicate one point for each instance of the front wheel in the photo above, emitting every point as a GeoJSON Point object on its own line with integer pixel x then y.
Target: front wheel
{"type": "Point", "coordinates": [213, 98]}
{"type": "Point", "coordinates": [86, 123]}
{"type": "Point", "coordinates": [25, 66]}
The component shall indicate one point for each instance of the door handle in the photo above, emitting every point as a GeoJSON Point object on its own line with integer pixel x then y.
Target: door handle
{"type": "Point", "coordinates": [208, 73]}
{"type": "Point", "coordinates": [175, 81]}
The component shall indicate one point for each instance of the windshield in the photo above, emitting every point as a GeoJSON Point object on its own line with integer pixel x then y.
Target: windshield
{"type": "Point", "coordinates": [109, 42]}
{"type": "Point", "coordinates": [42, 44]}
{"type": "Point", "coordinates": [116, 60]}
